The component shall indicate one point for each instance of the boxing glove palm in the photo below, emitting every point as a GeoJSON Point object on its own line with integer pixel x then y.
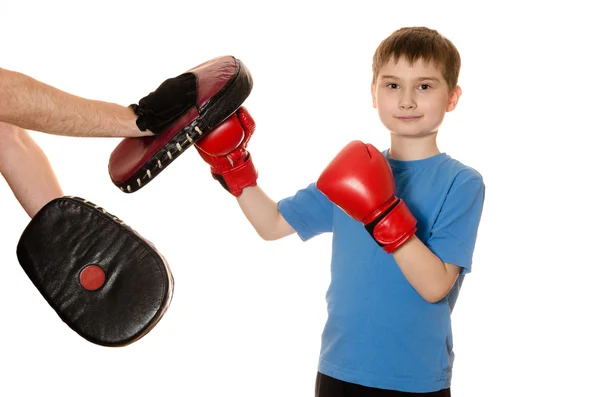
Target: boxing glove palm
{"type": "Point", "coordinates": [224, 149]}
{"type": "Point", "coordinates": [359, 180]}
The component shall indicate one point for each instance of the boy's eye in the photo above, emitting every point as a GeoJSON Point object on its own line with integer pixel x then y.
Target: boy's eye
{"type": "Point", "coordinates": [392, 85]}
{"type": "Point", "coordinates": [424, 86]}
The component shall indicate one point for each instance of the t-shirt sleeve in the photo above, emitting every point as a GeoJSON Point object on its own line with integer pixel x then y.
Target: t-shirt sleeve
{"type": "Point", "coordinates": [308, 211]}
{"type": "Point", "coordinates": [454, 232]}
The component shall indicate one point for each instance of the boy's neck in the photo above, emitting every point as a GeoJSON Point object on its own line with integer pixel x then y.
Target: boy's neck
{"type": "Point", "coordinates": [413, 148]}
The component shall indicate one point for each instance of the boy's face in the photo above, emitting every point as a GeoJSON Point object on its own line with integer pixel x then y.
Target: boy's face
{"type": "Point", "coordinates": [412, 100]}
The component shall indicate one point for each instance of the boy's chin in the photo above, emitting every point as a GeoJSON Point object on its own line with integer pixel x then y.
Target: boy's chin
{"type": "Point", "coordinates": [410, 133]}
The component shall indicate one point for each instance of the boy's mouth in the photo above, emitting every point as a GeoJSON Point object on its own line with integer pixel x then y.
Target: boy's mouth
{"type": "Point", "coordinates": [408, 118]}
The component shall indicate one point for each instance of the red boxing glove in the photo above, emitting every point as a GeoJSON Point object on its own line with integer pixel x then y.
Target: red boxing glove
{"type": "Point", "coordinates": [359, 180]}
{"type": "Point", "coordinates": [224, 149]}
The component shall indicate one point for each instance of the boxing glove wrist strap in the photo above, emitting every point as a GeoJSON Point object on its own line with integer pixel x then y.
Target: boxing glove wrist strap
{"type": "Point", "coordinates": [239, 177]}
{"type": "Point", "coordinates": [392, 226]}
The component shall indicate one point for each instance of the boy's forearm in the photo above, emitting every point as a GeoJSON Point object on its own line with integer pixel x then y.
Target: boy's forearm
{"type": "Point", "coordinates": [262, 212]}
{"type": "Point", "coordinates": [428, 274]}
{"type": "Point", "coordinates": [33, 105]}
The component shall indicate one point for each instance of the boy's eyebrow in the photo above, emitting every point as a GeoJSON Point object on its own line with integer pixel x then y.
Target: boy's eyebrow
{"type": "Point", "coordinates": [388, 76]}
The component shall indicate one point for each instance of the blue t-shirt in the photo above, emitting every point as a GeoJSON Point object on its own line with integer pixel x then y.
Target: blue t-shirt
{"type": "Point", "coordinates": [380, 332]}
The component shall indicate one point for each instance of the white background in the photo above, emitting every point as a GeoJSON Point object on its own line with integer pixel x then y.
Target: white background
{"type": "Point", "coordinates": [247, 315]}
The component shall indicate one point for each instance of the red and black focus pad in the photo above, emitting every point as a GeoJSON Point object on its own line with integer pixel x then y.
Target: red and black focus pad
{"type": "Point", "coordinates": [180, 112]}
{"type": "Point", "coordinates": [104, 280]}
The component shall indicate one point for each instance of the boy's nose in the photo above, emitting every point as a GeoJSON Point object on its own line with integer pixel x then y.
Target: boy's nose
{"type": "Point", "coordinates": [407, 102]}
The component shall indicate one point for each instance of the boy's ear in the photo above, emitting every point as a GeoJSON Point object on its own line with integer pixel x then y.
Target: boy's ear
{"type": "Point", "coordinates": [453, 99]}
{"type": "Point", "coordinates": [373, 96]}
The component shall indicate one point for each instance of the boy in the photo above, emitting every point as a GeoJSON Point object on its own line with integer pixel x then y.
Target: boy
{"type": "Point", "coordinates": [393, 287]}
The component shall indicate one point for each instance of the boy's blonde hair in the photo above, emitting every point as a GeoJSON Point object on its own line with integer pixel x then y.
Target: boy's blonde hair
{"type": "Point", "coordinates": [414, 43]}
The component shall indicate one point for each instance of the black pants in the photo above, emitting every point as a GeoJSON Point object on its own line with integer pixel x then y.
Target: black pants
{"type": "Point", "coordinates": [327, 386]}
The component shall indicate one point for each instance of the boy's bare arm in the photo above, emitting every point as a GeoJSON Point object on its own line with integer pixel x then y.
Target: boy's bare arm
{"type": "Point", "coordinates": [33, 105]}
{"type": "Point", "coordinates": [426, 272]}
{"type": "Point", "coordinates": [26, 169]}
{"type": "Point", "coordinates": [263, 214]}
